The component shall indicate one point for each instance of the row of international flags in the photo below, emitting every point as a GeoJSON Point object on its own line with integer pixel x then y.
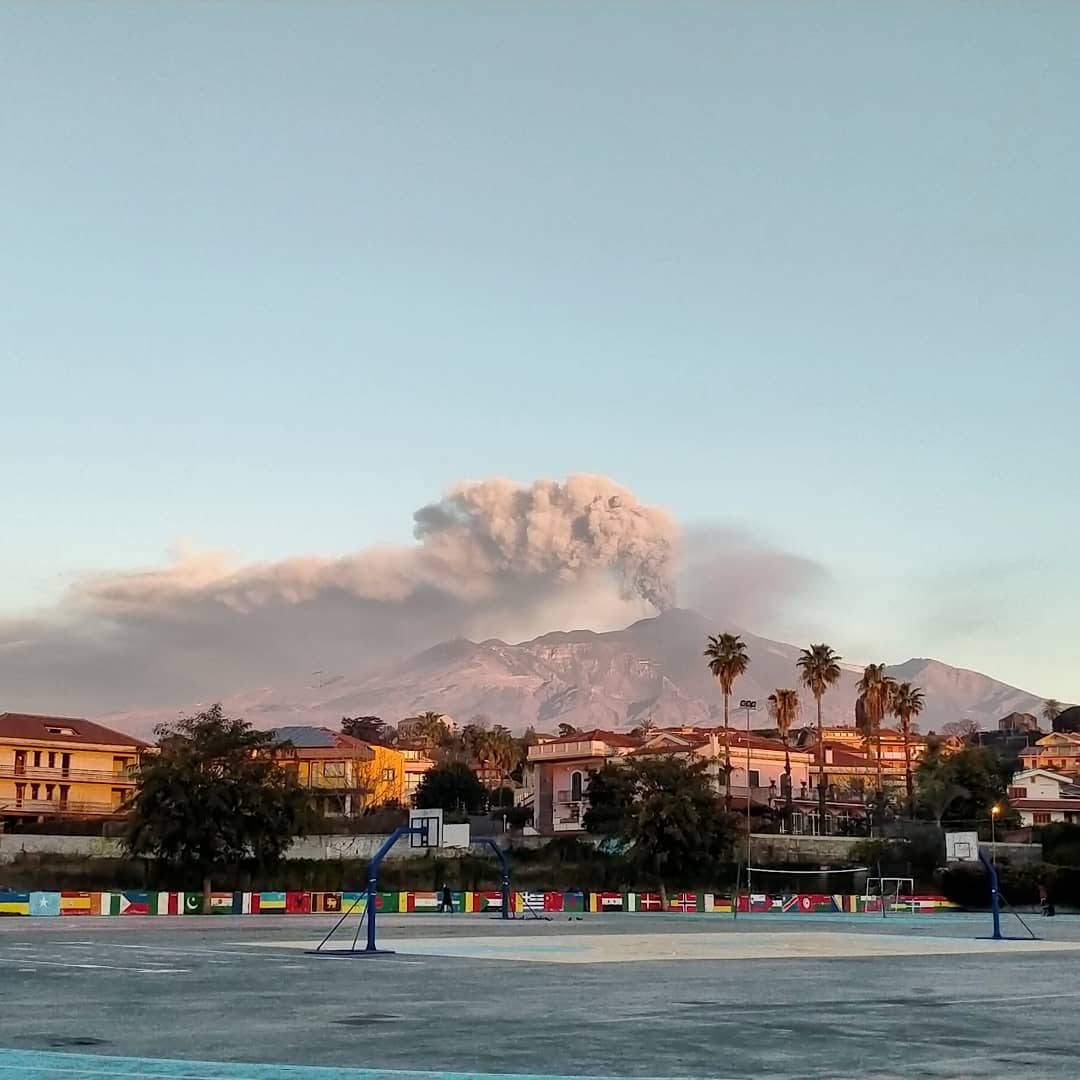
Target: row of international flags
{"type": "Point", "coordinates": [522, 903]}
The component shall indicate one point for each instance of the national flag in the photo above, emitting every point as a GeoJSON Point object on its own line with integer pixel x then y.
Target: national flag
{"type": "Point", "coordinates": [270, 903]}
{"type": "Point", "coordinates": [556, 901]}
{"type": "Point", "coordinates": [297, 903]}
{"type": "Point", "coordinates": [649, 901]}
{"type": "Point", "coordinates": [14, 903]}
{"type": "Point", "coordinates": [326, 902]}
{"type": "Point", "coordinates": [490, 901]}
{"type": "Point", "coordinates": [221, 903]}
{"type": "Point", "coordinates": [574, 901]}
{"type": "Point", "coordinates": [388, 902]}
{"type": "Point", "coordinates": [611, 901]}
{"type": "Point", "coordinates": [532, 901]}
{"type": "Point", "coordinates": [45, 903]}
{"type": "Point", "coordinates": [193, 902]}
{"type": "Point", "coordinates": [76, 903]}
{"type": "Point", "coordinates": [241, 903]}
{"type": "Point", "coordinates": [355, 903]}
{"type": "Point", "coordinates": [428, 901]}
{"type": "Point", "coordinates": [684, 902]}
{"type": "Point", "coordinates": [170, 903]}
{"type": "Point", "coordinates": [134, 903]}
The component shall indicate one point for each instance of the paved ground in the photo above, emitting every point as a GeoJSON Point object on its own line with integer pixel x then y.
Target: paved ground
{"type": "Point", "coordinates": [614, 996]}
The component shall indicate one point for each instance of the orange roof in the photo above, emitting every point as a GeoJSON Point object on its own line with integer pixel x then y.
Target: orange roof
{"type": "Point", "coordinates": [612, 738]}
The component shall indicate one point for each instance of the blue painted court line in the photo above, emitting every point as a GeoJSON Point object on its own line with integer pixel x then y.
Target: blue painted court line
{"type": "Point", "coordinates": [45, 1065]}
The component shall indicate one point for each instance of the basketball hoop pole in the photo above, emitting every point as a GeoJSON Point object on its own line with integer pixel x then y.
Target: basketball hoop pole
{"type": "Point", "coordinates": [995, 906]}
{"type": "Point", "coordinates": [373, 876]}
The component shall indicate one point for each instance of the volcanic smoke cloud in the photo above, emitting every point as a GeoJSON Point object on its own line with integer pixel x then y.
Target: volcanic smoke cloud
{"type": "Point", "coordinates": [481, 540]}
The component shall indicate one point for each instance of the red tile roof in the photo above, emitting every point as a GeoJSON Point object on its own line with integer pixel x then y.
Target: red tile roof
{"type": "Point", "coordinates": [31, 727]}
{"type": "Point", "coordinates": [1045, 804]}
{"type": "Point", "coordinates": [612, 738]}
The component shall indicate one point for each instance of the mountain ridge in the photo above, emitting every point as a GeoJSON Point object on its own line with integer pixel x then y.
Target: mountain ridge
{"type": "Point", "coordinates": [651, 670]}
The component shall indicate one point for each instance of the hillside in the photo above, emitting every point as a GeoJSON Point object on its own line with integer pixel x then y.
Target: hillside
{"type": "Point", "coordinates": [650, 670]}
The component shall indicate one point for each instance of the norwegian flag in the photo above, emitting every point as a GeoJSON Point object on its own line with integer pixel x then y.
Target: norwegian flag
{"type": "Point", "coordinates": [650, 901]}
{"type": "Point", "coordinates": [685, 901]}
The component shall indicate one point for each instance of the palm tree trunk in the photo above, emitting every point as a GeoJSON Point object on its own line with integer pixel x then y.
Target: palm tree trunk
{"type": "Point", "coordinates": [820, 768]}
{"type": "Point", "coordinates": [788, 809]}
{"type": "Point", "coordinates": [909, 782]}
{"type": "Point", "coordinates": [727, 756]}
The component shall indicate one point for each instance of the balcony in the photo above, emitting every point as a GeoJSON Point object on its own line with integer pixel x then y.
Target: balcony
{"type": "Point", "coordinates": [30, 773]}
{"type": "Point", "coordinates": [46, 809]}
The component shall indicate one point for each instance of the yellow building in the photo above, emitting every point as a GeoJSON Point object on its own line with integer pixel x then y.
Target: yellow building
{"type": "Point", "coordinates": [64, 767]}
{"type": "Point", "coordinates": [344, 775]}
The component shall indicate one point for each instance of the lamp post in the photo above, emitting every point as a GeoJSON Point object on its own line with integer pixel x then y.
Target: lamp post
{"type": "Point", "coordinates": [994, 811]}
{"type": "Point", "coordinates": [749, 706]}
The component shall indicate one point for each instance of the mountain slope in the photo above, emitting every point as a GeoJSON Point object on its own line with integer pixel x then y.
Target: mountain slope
{"type": "Point", "coordinates": [651, 670]}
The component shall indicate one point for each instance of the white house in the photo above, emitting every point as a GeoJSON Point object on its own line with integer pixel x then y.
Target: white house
{"type": "Point", "coordinates": [1042, 796]}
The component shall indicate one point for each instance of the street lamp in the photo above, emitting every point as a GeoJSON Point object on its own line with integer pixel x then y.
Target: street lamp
{"type": "Point", "coordinates": [749, 705]}
{"type": "Point", "coordinates": [994, 811]}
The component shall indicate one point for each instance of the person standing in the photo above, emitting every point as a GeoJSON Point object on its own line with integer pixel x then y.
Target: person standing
{"type": "Point", "coordinates": [446, 899]}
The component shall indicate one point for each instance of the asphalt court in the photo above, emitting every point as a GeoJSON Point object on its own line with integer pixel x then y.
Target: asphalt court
{"type": "Point", "coordinates": [607, 996]}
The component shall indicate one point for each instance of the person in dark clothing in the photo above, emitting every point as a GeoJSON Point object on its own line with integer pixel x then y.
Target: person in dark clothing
{"type": "Point", "coordinates": [446, 899]}
{"type": "Point", "coordinates": [1044, 900]}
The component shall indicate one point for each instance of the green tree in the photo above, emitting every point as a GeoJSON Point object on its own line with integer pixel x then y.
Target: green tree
{"type": "Point", "coordinates": [728, 659]}
{"type": "Point", "coordinates": [784, 708]}
{"type": "Point", "coordinates": [976, 778]}
{"type": "Point", "coordinates": [666, 811]}
{"type": "Point", "coordinates": [453, 787]}
{"type": "Point", "coordinates": [876, 690]}
{"type": "Point", "coordinates": [907, 703]}
{"type": "Point", "coordinates": [371, 729]}
{"type": "Point", "coordinates": [212, 797]}
{"type": "Point", "coordinates": [819, 668]}
{"type": "Point", "coordinates": [566, 729]}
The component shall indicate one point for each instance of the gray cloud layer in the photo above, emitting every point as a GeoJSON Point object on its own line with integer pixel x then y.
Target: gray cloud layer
{"type": "Point", "coordinates": [490, 558]}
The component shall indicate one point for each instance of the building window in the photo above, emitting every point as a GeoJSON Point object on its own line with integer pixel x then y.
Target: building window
{"type": "Point", "coordinates": [64, 789]}
{"type": "Point", "coordinates": [49, 788]}
{"type": "Point", "coordinates": [389, 775]}
{"type": "Point", "coordinates": [575, 787]}
{"type": "Point", "coordinates": [20, 791]}
{"type": "Point", "coordinates": [35, 792]}
{"type": "Point", "coordinates": [755, 778]}
{"type": "Point", "coordinates": [52, 760]}
{"type": "Point", "coordinates": [1040, 818]}
{"type": "Point", "coordinates": [37, 759]}
{"type": "Point", "coordinates": [1018, 793]}
{"type": "Point", "coordinates": [334, 770]}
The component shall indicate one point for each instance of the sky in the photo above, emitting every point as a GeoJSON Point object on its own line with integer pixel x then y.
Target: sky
{"type": "Point", "coordinates": [276, 275]}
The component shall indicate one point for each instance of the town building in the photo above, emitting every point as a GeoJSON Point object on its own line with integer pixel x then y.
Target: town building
{"type": "Point", "coordinates": [1042, 796]}
{"type": "Point", "coordinates": [1059, 752]}
{"type": "Point", "coordinates": [416, 764]}
{"type": "Point", "coordinates": [61, 767]}
{"type": "Point", "coordinates": [344, 775]}
{"type": "Point", "coordinates": [1018, 723]}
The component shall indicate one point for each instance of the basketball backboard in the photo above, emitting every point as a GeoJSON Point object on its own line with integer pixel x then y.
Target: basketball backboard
{"type": "Point", "coordinates": [431, 824]}
{"type": "Point", "coordinates": [962, 847]}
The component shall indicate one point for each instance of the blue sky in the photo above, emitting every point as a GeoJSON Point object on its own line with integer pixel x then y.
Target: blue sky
{"type": "Point", "coordinates": [275, 275]}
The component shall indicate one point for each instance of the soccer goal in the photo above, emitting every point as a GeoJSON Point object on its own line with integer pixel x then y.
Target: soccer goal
{"type": "Point", "coordinates": [893, 894]}
{"type": "Point", "coordinates": [772, 889]}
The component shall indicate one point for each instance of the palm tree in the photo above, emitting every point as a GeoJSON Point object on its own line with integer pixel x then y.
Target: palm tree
{"type": "Point", "coordinates": [876, 690]}
{"type": "Point", "coordinates": [907, 703]}
{"type": "Point", "coordinates": [784, 707]}
{"type": "Point", "coordinates": [431, 728]}
{"type": "Point", "coordinates": [1051, 710]}
{"type": "Point", "coordinates": [819, 668]}
{"type": "Point", "coordinates": [728, 660]}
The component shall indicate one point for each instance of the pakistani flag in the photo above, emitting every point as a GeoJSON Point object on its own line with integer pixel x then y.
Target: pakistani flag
{"type": "Point", "coordinates": [193, 903]}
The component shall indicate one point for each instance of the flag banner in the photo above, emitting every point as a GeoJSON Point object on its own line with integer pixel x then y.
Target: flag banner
{"type": "Point", "coordinates": [490, 901]}
{"type": "Point", "coordinates": [354, 902]}
{"type": "Point", "coordinates": [389, 902]}
{"type": "Point", "coordinates": [297, 903]}
{"type": "Point", "coordinates": [221, 903]}
{"type": "Point", "coordinates": [683, 902]}
{"type": "Point", "coordinates": [44, 903]}
{"type": "Point", "coordinates": [169, 903]}
{"type": "Point", "coordinates": [610, 901]}
{"type": "Point", "coordinates": [649, 901]}
{"type": "Point", "coordinates": [192, 903]}
{"type": "Point", "coordinates": [271, 903]}
{"type": "Point", "coordinates": [77, 903]}
{"type": "Point", "coordinates": [555, 901]}
{"type": "Point", "coordinates": [323, 902]}
{"type": "Point", "coordinates": [14, 903]}
{"type": "Point", "coordinates": [573, 901]}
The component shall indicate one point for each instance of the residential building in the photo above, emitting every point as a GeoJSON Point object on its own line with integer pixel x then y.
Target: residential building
{"type": "Point", "coordinates": [1059, 752]}
{"type": "Point", "coordinates": [1042, 796]}
{"type": "Point", "coordinates": [561, 770]}
{"type": "Point", "coordinates": [344, 775]}
{"type": "Point", "coordinates": [1018, 723]}
{"type": "Point", "coordinates": [851, 759]}
{"type": "Point", "coordinates": [415, 763]}
{"type": "Point", "coordinates": [64, 767]}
